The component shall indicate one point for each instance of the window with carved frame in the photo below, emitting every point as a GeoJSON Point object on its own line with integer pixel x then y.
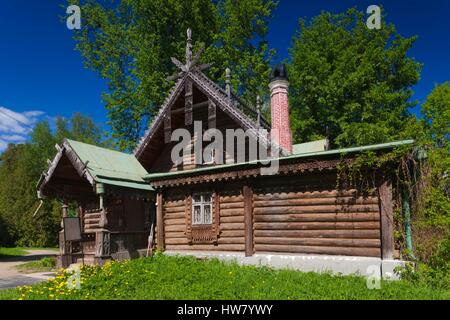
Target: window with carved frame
{"type": "Point", "coordinates": [202, 209]}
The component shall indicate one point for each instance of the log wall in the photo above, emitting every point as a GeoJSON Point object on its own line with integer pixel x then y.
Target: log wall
{"type": "Point", "coordinates": [314, 218]}
{"type": "Point", "coordinates": [301, 214]}
{"type": "Point", "coordinates": [231, 221]}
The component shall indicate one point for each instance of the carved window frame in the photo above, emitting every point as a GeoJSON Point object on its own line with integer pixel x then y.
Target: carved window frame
{"type": "Point", "coordinates": [198, 233]}
{"type": "Point", "coordinates": [203, 201]}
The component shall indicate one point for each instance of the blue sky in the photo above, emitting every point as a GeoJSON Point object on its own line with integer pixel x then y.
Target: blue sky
{"type": "Point", "coordinates": [42, 76]}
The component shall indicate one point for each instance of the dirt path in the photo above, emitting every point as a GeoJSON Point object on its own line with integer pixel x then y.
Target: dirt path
{"type": "Point", "coordinates": [10, 277]}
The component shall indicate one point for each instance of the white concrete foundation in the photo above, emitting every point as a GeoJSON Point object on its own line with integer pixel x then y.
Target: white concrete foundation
{"type": "Point", "coordinates": [344, 265]}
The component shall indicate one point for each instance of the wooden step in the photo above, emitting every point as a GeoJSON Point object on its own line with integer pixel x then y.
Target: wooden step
{"type": "Point", "coordinates": [92, 228]}
{"type": "Point", "coordinates": [91, 221]}
{"type": "Point", "coordinates": [92, 216]}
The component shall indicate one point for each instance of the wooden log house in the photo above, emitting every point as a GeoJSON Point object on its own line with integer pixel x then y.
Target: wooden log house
{"type": "Point", "coordinates": [221, 208]}
{"type": "Point", "coordinates": [113, 201]}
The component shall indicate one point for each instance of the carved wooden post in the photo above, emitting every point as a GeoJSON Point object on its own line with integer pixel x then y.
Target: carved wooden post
{"type": "Point", "coordinates": [159, 221]}
{"type": "Point", "coordinates": [228, 82]}
{"type": "Point", "coordinates": [248, 218]}
{"type": "Point", "coordinates": [103, 235]}
{"type": "Point", "coordinates": [64, 259]}
{"type": "Point", "coordinates": [387, 220]}
{"type": "Point", "coordinates": [258, 111]}
{"type": "Point", "coordinates": [65, 213]}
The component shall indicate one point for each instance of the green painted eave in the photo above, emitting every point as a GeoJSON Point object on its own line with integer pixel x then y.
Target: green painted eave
{"type": "Point", "coordinates": [306, 155]}
{"type": "Point", "coordinates": [111, 167]}
{"type": "Point", "coordinates": [125, 184]}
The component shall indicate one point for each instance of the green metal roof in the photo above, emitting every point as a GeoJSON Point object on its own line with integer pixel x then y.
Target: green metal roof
{"type": "Point", "coordinates": [375, 147]}
{"type": "Point", "coordinates": [110, 166]}
{"type": "Point", "coordinates": [313, 146]}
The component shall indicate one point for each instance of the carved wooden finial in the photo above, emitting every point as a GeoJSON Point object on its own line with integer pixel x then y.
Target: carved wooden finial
{"type": "Point", "coordinates": [189, 34]}
{"type": "Point", "coordinates": [258, 110]}
{"type": "Point", "coordinates": [191, 63]}
{"type": "Point", "coordinates": [228, 81]}
{"type": "Point", "coordinates": [189, 48]}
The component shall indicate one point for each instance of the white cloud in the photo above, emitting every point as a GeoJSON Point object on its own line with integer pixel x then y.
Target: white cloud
{"type": "Point", "coordinates": [15, 126]}
{"type": "Point", "coordinates": [12, 138]}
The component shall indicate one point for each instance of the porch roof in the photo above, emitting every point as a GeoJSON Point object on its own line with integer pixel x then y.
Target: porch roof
{"type": "Point", "coordinates": [110, 166]}
{"type": "Point", "coordinates": [305, 155]}
{"type": "Point", "coordinates": [99, 165]}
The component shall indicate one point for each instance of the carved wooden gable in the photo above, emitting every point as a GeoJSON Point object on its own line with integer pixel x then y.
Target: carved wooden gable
{"type": "Point", "coordinates": [194, 83]}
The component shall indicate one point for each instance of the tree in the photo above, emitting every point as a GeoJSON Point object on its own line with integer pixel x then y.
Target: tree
{"type": "Point", "coordinates": [436, 112]}
{"type": "Point", "coordinates": [130, 42]}
{"type": "Point", "coordinates": [436, 123]}
{"type": "Point", "coordinates": [349, 80]}
{"type": "Point", "coordinates": [18, 201]}
{"type": "Point", "coordinates": [20, 168]}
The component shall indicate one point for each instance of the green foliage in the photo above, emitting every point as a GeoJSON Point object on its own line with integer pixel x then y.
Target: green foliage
{"type": "Point", "coordinates": [350, 80]}
{"type": "Point", "coordinates": [165, 277]}
{"type": "Point", "coordinates": [431, 219]}
{"type": "Point", "coordinates": [20, 168]}
{"type": "Point", "coordinates": [130, 42]}
{"type": "Point", "coordinates": [18, 177]}
{"type": "Point", "coordinates": [436, 111]}
{"type": "Point", "coordinates": [436, 140]}
{"type": "Point", "coordinates": [355, 173]}
{"type": "Point", "coordinates": [435, 273]}
{"type": "Point", "coordinates": [424, 174]}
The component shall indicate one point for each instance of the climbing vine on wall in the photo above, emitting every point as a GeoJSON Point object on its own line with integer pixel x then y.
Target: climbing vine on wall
{"type": "Point", "coordinates": [402, 166]}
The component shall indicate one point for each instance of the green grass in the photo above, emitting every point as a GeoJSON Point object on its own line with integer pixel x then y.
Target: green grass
{"type": "Point", "coordinates": [43, 265]}
{"type": "Point", "coordinates": [12, 252]}
{"type": "Point", "coordinates": [6, 252]}
{"type": "Point", "coordinates": [9, 294]}
{"type": "Point", "coordinates": [165, 277]}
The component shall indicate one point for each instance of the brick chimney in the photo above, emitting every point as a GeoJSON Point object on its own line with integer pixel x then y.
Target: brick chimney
{"type": "Point", "coordinates": [279, 104]}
